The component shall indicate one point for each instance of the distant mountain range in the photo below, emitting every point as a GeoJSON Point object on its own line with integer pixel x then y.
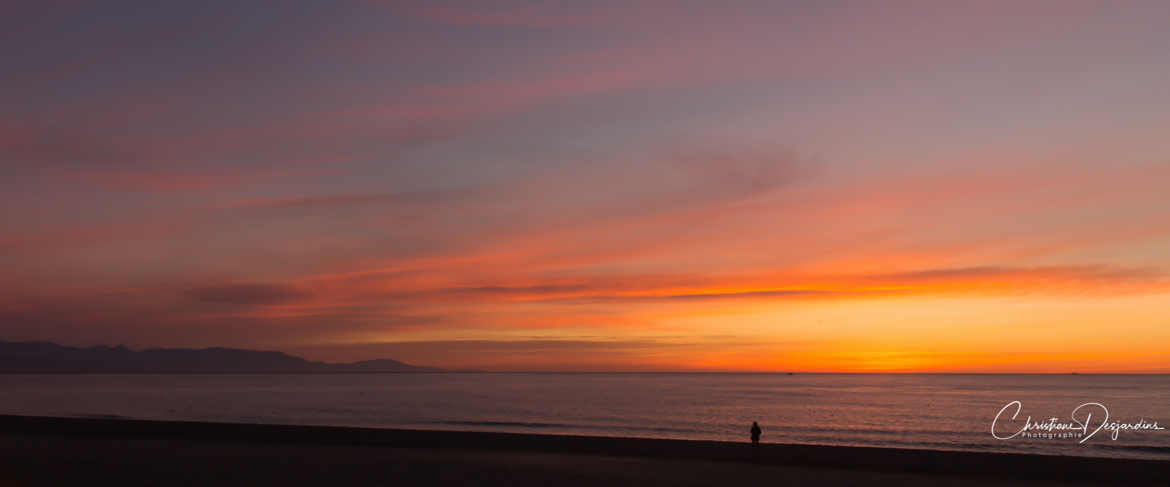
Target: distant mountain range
{"type": "Point", "coordinates": [45, 357]}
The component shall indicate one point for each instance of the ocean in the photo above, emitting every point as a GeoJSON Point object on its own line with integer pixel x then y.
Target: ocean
{"type": "Point", "coordinates": [924, 411]}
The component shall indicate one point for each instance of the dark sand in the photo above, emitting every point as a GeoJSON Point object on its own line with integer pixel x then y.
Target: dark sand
{"type": "Point", "coordinates": [45, 451]}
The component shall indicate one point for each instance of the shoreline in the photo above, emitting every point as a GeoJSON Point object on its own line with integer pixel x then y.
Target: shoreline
{"type": "Point", "coordinates": [985, 465]}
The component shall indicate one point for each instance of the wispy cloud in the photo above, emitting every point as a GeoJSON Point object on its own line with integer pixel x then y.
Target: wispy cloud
{"type": "Point", "coordinates": [248, 293]}
{"type": "Point", "coordinates": [531, 17]}
{"type": "Point", "coordinates": [29, 145]}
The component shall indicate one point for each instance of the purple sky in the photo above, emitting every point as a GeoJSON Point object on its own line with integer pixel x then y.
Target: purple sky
{"type": "Point", "coordinates": [904, 185]}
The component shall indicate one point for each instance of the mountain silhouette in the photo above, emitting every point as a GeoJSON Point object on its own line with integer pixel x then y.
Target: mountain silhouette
{"type": "Point", "coordinates": [46, 357]}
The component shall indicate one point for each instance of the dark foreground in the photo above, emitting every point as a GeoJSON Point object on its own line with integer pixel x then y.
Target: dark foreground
{"type": "Point", "coordinates": [51, 451]}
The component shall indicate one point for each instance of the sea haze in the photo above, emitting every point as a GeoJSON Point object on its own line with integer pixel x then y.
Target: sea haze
{"type": "Point", "coordinates": [948, 412]}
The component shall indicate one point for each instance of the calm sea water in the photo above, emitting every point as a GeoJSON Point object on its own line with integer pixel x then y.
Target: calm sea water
{"type": "Point", "coordinates": [949, 412]}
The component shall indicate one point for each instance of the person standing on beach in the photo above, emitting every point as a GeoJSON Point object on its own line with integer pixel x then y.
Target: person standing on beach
{"type": "Point", "coordinates": [755, 433]}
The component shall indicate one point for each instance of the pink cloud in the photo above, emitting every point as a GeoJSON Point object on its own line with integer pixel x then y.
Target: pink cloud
{"type": "Point", "coordinates": [167, 180]}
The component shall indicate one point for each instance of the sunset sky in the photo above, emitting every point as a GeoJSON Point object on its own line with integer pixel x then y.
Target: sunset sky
{"type": "Point", "coordinates": [775, 186]}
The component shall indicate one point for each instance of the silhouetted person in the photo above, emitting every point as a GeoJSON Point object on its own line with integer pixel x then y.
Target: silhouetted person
{"type": "Point", "coordinates": [755, 433]}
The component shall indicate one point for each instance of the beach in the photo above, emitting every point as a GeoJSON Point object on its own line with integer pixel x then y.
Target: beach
{"type": "Point", "coordinates": [68, 451]}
